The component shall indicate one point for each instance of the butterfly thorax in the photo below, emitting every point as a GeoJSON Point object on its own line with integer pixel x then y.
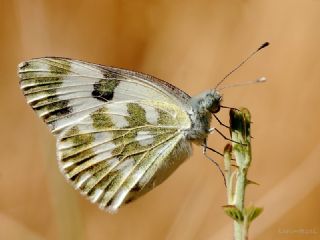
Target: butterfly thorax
{"type": "Point", "coordinates": [203, 106]}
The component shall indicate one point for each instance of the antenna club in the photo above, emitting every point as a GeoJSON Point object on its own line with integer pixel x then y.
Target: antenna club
{"type": "Point", "coordinates": [262, 79]}
{"type": "Point", "coordinates": [266, 44]}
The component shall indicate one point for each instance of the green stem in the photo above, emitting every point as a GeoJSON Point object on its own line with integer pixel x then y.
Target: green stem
{"type": "Point", "coordinates": [237, 179]}
{"type": "Point", "coordinates": [240, 133]}
{"type": "Point", "coordinates": [228, 173]}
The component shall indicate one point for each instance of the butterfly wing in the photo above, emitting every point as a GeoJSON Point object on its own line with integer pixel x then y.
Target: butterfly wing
{"type": "Point", "coordinates": [119, 133]}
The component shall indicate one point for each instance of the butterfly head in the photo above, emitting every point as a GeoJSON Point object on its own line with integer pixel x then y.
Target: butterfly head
{"type": "Point", "coordinates": [209, 101]}
{"type": "Point", "coordinates": [214, 99]}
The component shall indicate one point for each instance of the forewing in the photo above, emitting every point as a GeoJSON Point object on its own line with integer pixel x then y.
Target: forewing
{"type": "Point", "coordinates": [66, 83]}
{"type": "Point", "coordinates": [113, 142]}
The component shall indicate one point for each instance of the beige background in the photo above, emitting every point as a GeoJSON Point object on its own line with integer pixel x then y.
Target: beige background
{"type": "Point", "coordinates": [191, 44]}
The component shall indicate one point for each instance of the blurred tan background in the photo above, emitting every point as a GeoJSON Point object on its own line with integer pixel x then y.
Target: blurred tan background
{"type": "Point", "coordinates": [191, 44]}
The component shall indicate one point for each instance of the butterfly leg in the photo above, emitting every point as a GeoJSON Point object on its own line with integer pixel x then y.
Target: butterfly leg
{"type": "Point", "coordinates": [205, 147]}
{"type": "Point", "coordinates": [211, 130]}
{"type": "Point", "coordinates": [229, 108]}
{"type": "Point", "coordinates": [212, 150]}
{"type": "Point", "coordinates": [215, 151]}
{"type": "Point", "coordinates": [219, 121]}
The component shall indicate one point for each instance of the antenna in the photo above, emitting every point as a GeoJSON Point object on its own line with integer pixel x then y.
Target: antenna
{"type": "Point", "coordinates": [243, 62]}
{"type": "Point", "coordinates": [259, 80]}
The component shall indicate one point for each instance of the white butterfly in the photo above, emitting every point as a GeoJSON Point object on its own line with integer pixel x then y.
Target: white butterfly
{"type": "Point", "coordinates": [119, 133]}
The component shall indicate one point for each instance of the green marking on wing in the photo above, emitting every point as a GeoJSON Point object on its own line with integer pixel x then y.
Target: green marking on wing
{"type": "Point", "coordinates": [101, 119]}
{"type": "Point", "coordinates": [137, 115]}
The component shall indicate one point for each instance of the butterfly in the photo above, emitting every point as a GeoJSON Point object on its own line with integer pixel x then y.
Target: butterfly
{"type": "Point", "coordinates": [119, 133]}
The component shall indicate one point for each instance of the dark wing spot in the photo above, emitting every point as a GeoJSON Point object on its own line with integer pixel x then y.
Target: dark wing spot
{"type": "Point", "coordinates": [129, 200]}
{"type": "Point", "coordinates": [136, 188]}
{"type": "Point", "coordinates": [56, 109]}
{"type": "Point", "coordinates": [104, 89]}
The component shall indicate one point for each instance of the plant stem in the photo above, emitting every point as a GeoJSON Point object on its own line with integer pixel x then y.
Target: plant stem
{"type": "Point", "coordinates": [240, 133]}
{"type": "Point", "coordinates": [236, 179]}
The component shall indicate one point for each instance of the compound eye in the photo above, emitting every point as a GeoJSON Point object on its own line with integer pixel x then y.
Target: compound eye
{"type": "Point", "coordinates": [216, 109]}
